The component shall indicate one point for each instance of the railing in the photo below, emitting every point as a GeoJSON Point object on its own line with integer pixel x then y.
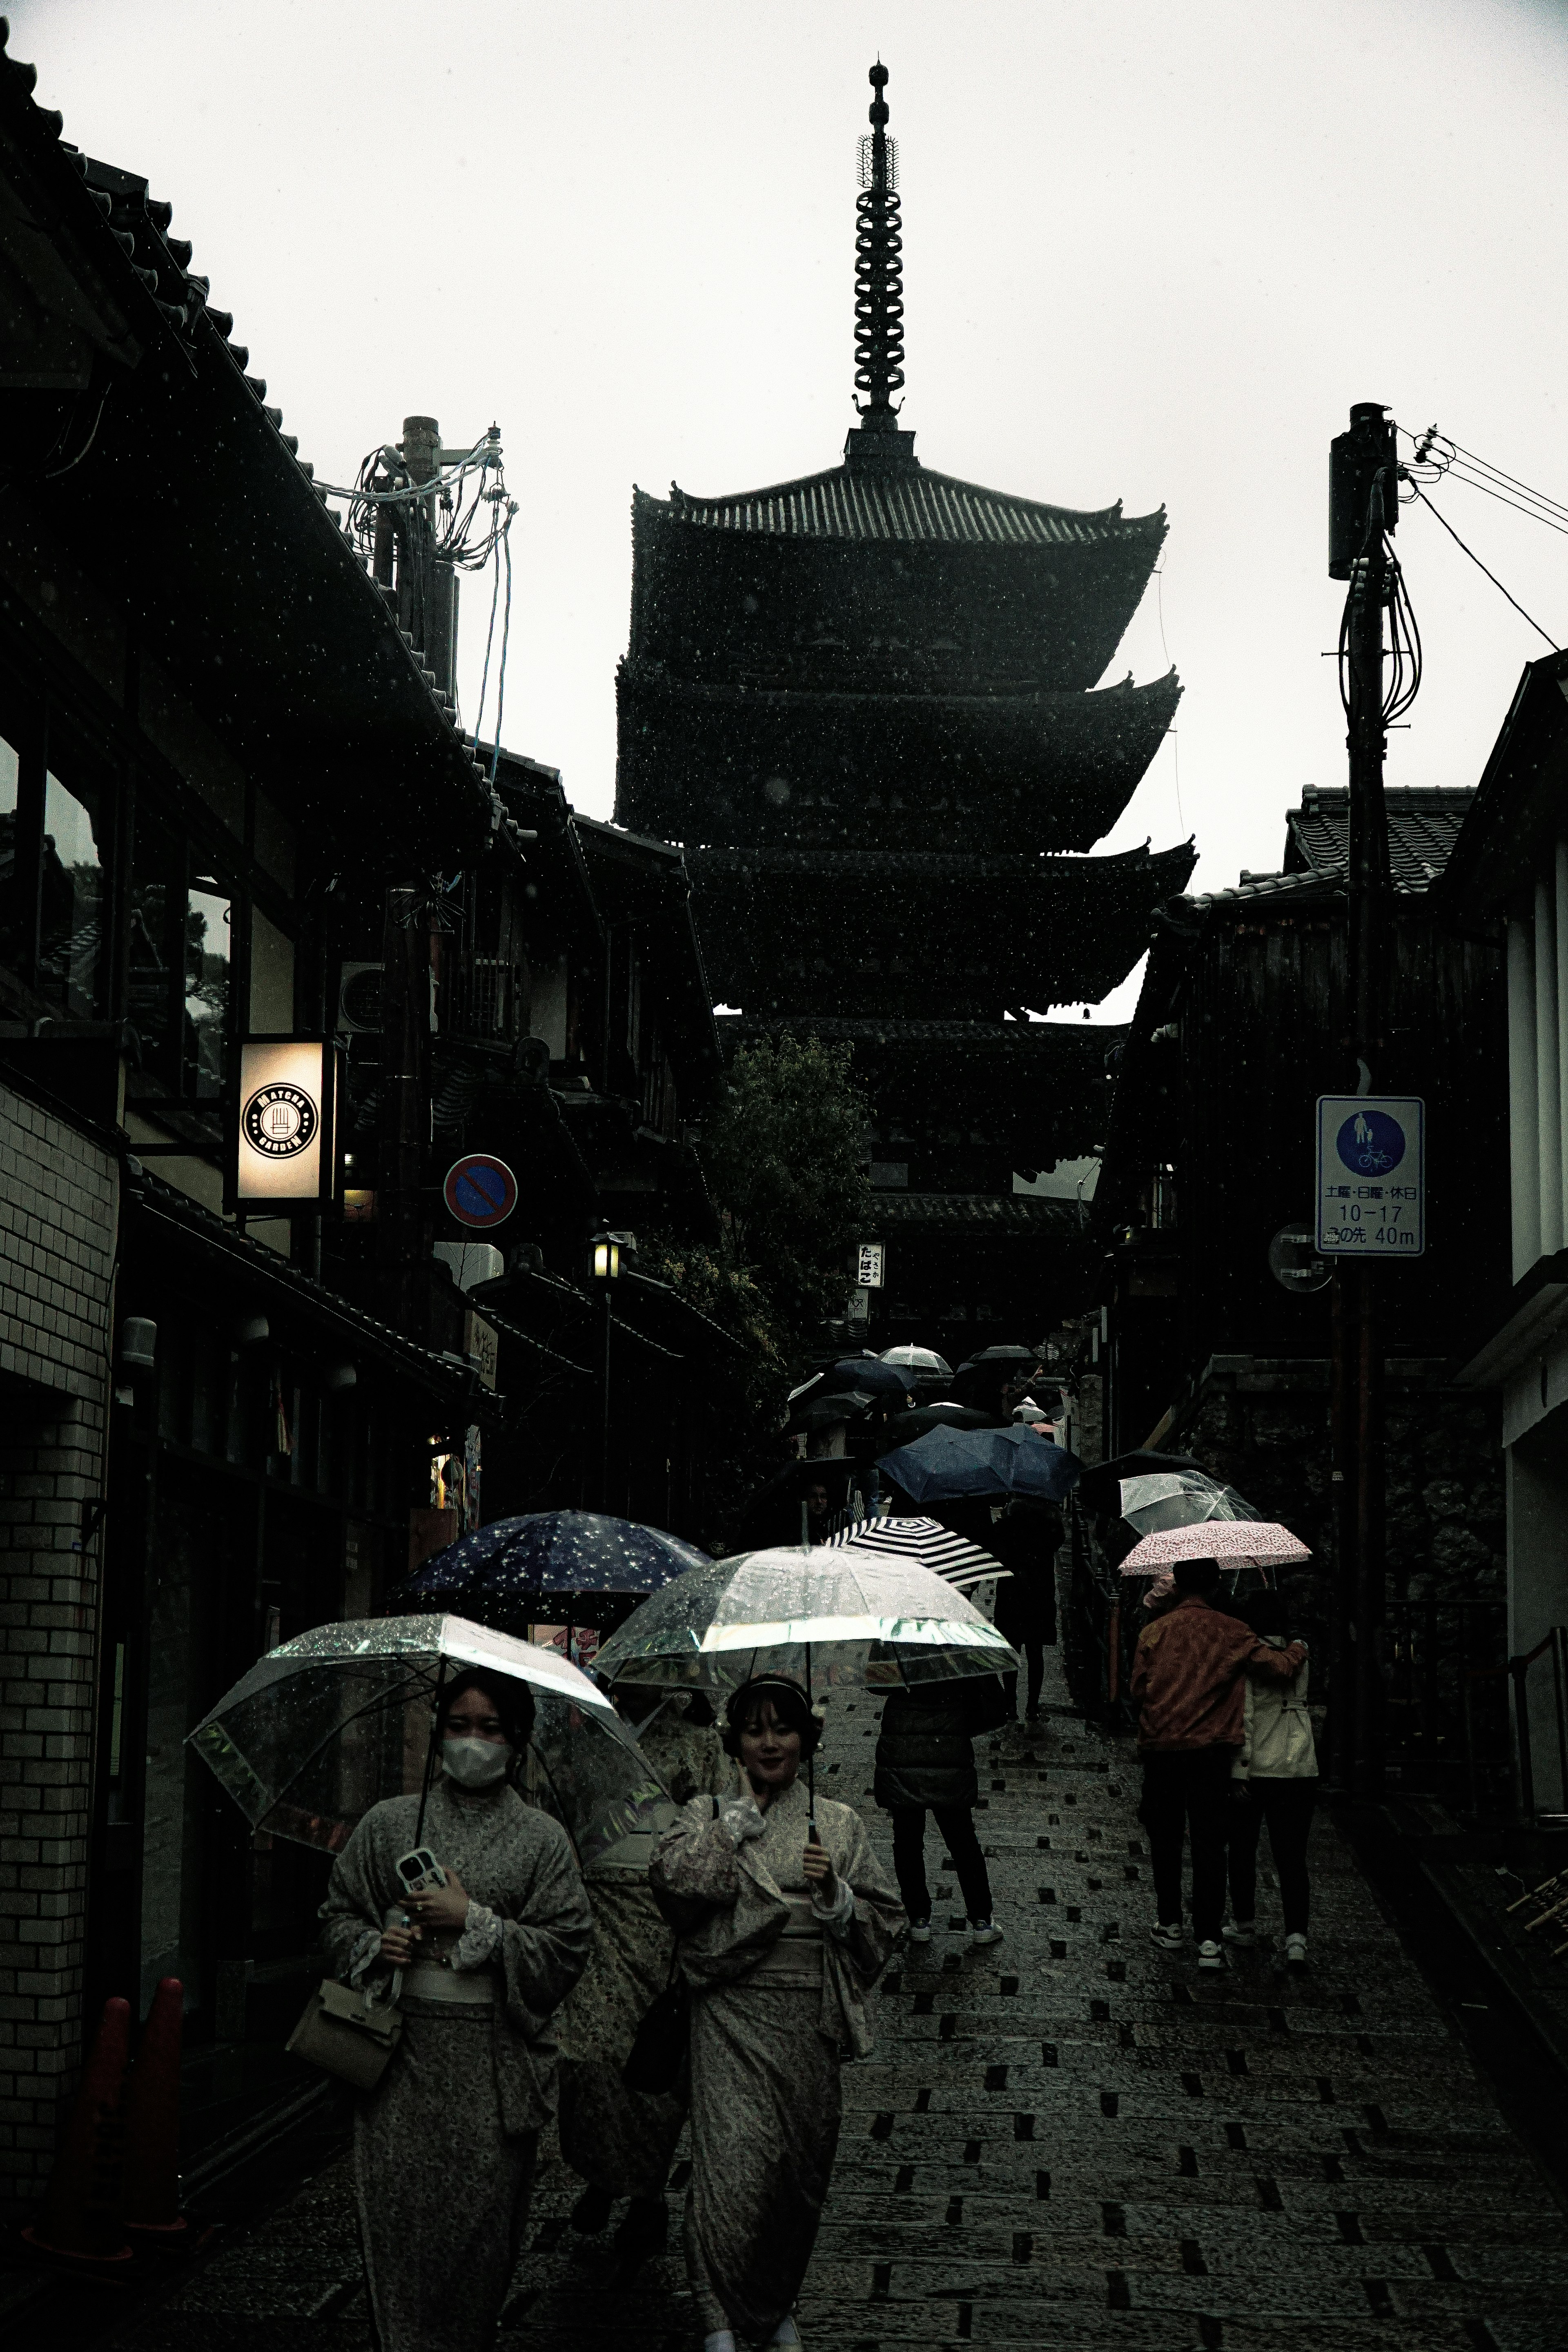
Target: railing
{"type": "Point", "coordinates": [1552, 1644]}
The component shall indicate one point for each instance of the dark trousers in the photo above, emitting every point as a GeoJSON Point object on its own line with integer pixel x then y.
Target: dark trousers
{"type": "Point", "coordinates": [956, 1823]}
{"type": "Point", "coordinates": [1190, 1790]}
{"type": "Point", "coordinates": [1287, 1807]}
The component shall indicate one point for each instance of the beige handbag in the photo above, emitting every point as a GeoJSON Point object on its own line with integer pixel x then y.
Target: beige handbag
{"type": "Point", "coordinates": [347, 2034]}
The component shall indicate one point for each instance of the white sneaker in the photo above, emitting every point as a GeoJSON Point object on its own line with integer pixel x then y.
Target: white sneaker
{"type": "Point", "coordinates": [985, 1931]}
{"type": "Point", "coordinates": [920, 1930]}
{"type": "Point", "coordinates": [1242, 1933]}
{"type": "Point", "coordinates": [1169, 1935]}
{"type": "Point", "coordinates": [1296, 1951]}
{"type": "Point", "coordinates": [1211, 1955]}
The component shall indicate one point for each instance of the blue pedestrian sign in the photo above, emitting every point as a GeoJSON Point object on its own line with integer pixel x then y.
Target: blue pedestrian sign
{"type": "Point", "coordinates": [1372, 1176]}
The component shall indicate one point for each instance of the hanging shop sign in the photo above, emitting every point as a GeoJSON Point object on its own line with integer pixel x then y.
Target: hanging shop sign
{"type": "Point", "coordinates": [480, 1190]}
{"type": "Point", "coordinates": [285, 1151]}
{"type": "Point", "coordinates": [1372, 1176]}
{"type": "Point", "coordinates": [868, 1266]}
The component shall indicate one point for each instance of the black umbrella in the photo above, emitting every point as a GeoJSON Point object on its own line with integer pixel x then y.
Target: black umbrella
{"type": "Point", "coordinates": [907, 1426]}
{"type": "Point", "coordinates": [1005, 1356]}
{"type": "Point", "coordinates": [869, 1373]}
{"type": "Point", "coordinates": [563, 1567]}
{"type": "Point", "coordinates": [822, 1411]}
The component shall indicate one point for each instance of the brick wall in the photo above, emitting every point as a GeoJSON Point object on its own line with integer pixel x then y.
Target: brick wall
{"type": "Point", "coordinates": [58, 1208]}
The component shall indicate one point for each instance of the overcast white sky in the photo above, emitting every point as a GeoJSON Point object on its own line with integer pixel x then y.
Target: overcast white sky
{"type": "Point", "coordinates": [1153, 251]}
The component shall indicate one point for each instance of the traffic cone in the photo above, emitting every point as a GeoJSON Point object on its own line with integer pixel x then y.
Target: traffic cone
{"type": "Point", "coordinates": [79, 2220]}
{"type": "Point", "coordinates": [150, 2201]}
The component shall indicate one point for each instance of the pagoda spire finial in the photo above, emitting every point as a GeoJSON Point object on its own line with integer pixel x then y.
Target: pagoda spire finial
{"type": "Point", "coordinates": [878, 291]}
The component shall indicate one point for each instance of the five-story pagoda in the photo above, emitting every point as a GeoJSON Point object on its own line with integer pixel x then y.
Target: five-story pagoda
{"type": "Point", "coordinates": [867, 703]}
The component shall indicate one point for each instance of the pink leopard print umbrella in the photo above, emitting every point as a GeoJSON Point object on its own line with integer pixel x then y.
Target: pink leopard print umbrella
{"type": "Point", "coordinates": [1215, 1539]}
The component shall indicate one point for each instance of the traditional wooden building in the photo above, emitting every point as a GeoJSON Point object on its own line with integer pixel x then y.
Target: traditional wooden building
{"type": "Point", "coordinates": [236, 801]}
{"type": "Point", "coordinates": [1508, 881]}
{"type": "Point", "coordinates": [867, 703]}
{"type": "Point", "coordinates": [1200, 1347]}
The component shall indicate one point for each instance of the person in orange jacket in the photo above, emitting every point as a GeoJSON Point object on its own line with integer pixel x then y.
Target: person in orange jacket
{"type": "Point", "coordinates": [1188, 1685]}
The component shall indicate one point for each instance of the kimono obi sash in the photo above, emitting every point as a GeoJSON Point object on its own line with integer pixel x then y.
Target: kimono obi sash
{"type": "Point", "coordinates": [795, 1961]}
{"type": "Point", "coordinates": [452, 1988]}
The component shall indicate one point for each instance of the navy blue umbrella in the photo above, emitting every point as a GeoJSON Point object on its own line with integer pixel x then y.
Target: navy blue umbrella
{"type": "Point", "coordinates": [501, 1568]}
{"type": "Point", "coordinates": [869, 1372]}
{"type": "Point", "coordinates": [947, 1463]}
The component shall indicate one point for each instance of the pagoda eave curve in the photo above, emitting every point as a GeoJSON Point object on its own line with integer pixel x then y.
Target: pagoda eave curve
{"type": "Point", "coordinates": [786, 931]}
{"type": "Point", "coordinates": [794, 766]}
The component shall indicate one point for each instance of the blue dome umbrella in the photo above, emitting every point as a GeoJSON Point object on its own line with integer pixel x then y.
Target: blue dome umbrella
{"type": "Point", "coordinates": [582, 1568]}
{"type": "Point", "coordinates": [948, 1462]}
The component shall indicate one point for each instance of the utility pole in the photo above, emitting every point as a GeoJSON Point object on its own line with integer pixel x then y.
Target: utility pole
{"type": "Point", "coordinates": [1364, 507]}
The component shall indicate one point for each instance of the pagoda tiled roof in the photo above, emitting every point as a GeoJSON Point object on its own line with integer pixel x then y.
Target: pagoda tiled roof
{"type": "Point", "coordinates": [910, 502]}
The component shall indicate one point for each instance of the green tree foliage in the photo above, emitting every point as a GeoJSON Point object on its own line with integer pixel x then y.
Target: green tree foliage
{"type": "Point", "coordinates": [783, 1152]}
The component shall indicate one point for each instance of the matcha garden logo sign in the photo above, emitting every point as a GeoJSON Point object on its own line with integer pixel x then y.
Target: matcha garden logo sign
{"type": "Point", "coordinates": [285, 1146]}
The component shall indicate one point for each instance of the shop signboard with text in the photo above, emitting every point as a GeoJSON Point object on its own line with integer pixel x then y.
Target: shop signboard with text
{"type": "Point", "coordinates": [285, 1148]}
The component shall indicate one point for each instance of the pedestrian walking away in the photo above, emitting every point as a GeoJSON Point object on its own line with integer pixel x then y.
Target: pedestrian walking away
{"type": "Point", "coordinates": [781, 1933]}
{"type": "Point", "coordinates": [444, 2146]}
{"type": "Point", "coordinates": [1025, 1540]}
{"type": "Point", "coordinates": [925, 1763]}
{"type": "Point", "coordinates": [1187, 1685]}
{"type": "Point", "coordinates": [619, 2141]}
{"type": "Point", "coordinates": [1278, 1768]}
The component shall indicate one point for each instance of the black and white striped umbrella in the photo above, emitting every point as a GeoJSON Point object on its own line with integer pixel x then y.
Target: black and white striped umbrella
{"type": "Point", "coordinates": [926, 1541]}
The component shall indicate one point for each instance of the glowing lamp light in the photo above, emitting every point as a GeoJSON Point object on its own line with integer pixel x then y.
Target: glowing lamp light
{"type": "Point", "coordinates": [606, 1258]}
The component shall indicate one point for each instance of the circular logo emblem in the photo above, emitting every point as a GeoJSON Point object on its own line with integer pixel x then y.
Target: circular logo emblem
{"type": "Point", "coordinates": [1370, 1143]}
{"type": "Point", "coordinates": [279, 1121]}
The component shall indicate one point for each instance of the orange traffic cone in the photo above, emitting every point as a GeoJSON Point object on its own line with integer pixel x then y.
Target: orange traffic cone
{"type": "Point", "coordinates": [78, 2219]}
{"type": "Point", "coordinates": [152, 2197]}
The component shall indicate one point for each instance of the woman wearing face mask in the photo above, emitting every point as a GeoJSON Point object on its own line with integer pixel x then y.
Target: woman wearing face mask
{"type": "Point", "coordinates": [782, 1933]}
{"type": "Point", "coordinates": [444, 2144]}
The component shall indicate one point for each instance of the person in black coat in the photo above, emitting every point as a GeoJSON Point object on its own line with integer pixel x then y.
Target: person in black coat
{"type": "Point", "coordinates": [1025, 1540]}
{"type": "Point", "coordinates": [925, 1763]}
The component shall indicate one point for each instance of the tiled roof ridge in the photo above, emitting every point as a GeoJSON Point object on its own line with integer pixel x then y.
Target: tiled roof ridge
{"type": "Point", "coordinates": [962, 863]}
{"type": "Point", "coordinates": [842, 502]}
{"type": "Point", "coordinates": [139, 225]}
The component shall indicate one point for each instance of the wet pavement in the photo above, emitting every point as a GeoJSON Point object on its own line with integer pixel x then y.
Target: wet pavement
{"type": "Point", "coordinates": [1069, 2138]}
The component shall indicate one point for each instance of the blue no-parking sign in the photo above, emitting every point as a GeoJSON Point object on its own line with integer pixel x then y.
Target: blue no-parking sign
{"type": "Point", "coordinates": [480, 1190]}
{"type": "Point", "coordinates": [1372, 1176]}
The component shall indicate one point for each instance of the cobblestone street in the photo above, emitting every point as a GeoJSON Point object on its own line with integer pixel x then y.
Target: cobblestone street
{"type": "Point", "coordinates": [1070, 2138]}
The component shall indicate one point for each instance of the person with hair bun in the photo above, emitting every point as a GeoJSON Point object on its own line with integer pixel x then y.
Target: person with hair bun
{"type": "Point", "coordinates": [782, 1925]}
{"type": "Point", "coordinates": [444, 2144]}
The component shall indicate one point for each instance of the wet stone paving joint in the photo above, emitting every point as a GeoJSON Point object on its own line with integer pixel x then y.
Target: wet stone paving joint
{"type": "Point", "coordinates": [1071, 2137]}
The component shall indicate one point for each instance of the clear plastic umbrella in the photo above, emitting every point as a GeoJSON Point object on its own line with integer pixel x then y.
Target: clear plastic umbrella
{"type": "Point", "coordinates": [830, 1616]}
{"type": "Point", "coordinates": [331, 1722]}
{"type": "Point", "coordinates": [1179, 1498]}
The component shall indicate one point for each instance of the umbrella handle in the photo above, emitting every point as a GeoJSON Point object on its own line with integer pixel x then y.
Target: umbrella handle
{"type": "Point", "coordinates": [430, 1751]}
{"type": "Point", "coordinates": [810, 1763]}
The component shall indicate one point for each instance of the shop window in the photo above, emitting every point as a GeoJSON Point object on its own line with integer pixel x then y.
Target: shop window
{"type": "Point", "coordinates": [209, 967]}
{"type": "Point", "coordinates": [73, 898]}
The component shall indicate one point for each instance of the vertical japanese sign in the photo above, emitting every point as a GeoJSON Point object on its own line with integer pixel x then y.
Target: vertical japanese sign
{"type": "Point", "coordinates": [1372, 1176]}
{"type": "Point", "coordinates": [868, 1266]}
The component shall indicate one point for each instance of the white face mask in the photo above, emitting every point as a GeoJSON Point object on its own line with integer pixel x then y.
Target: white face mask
{"type": "Point", "coordinates": [476, 1763]}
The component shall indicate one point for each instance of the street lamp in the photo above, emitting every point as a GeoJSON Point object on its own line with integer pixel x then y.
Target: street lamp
{"type": "Point", "coordinates": [606, 1270]}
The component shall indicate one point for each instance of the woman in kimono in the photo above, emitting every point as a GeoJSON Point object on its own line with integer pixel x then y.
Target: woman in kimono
{"type": "Point", "coordinates": [622, 2142]}
{"type": "Point", "coordinates": [444, 2144]}
{"type": "Point", "coordinates": [786, 1931]}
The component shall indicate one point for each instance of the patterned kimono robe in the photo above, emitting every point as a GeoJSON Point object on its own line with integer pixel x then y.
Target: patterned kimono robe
{"type": "Point", "coordinates": [777, 2003]}
{"type": "Point", "coordinates": [619, 2140]}
{"type": "Point", "coordinates": [444, 2146]}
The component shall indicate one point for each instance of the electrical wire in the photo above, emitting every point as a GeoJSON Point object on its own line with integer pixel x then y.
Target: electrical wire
{"type": "Point", "coordinates": [1436, 457]}
{"type": "Point", "coordinates": [1476, 560]}
{"type": "Point", "coordinates": [1404, 680]}
{"type": "Point", "coordinates": [501, 673]}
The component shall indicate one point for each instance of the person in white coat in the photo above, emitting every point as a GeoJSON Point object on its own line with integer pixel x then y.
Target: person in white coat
{"type": "Point", "coordinates": [1277, 1768]}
